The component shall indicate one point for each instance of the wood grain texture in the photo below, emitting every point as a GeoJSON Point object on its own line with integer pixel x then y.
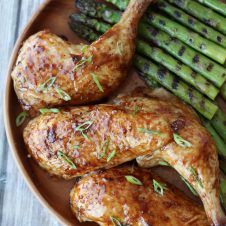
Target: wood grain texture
{"type": "Point", "coordinates": [18, 206]}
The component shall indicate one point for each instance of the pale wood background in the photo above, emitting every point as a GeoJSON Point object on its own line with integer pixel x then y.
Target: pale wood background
{"type": "Point", "coordinates": [18, 206]}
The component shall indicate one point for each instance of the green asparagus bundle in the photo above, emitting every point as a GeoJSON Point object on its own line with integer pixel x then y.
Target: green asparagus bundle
{"type": "Point", "coordinates": [223, 91]}
{"type": "Point", "coordinates": [217, 5]}
{"type": "Point", "coordinates": [208, 16]}
{"type": "Point", "coordinates": [183, 71]}
{"type": "Point", "coordinates": [203, 65]}
{"type": "Point", "coordinates": [192, 39]}
{"type": "Point", "coordinates": [219, 123]}
{"type": "Point", "coordinates": [220, 144]}
{"type": "Point", "coordinates": [171, 82]}
{"type": "Point", "coordinates": [191, 22]}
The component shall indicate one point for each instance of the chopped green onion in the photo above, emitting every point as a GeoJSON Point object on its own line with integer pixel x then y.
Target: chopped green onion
{"type": "Point", "coordinates": [103, 149]}
{"type": "Point", "coordinates": [120, 47]}
{"type": "Point", "coordinates": [143, 130]}
{"type": "Point", "coordinates": [82, 62]}
{"type": "Point", "coordinates": [21, 118]}
{"type": "Point", "coordinates": [76, 147]}
{"type": "Point", "coordinates": [84, 48]}
{"type": "Point", "coordinates": [196, 176]}
{"type": "Point", "coordinates": [133, 180]}
{"type": "Point", "coordinates": [66, 159]}
{"type": "Point", "coordinates": [115, 221]}
{"type": "Point", "coordinates": [49, 110]}
{"type": "Point", "coordinates": [136, 109]}
{"type": "Point", "coordinates": [180, 141]}
{"type": "Point", "coordinates": [46, 85]}
{"type": "Point", "coordinates": [164, 163]}
{"type": "Point", "coordinates": [159, 187]}
{"type": "Point", "coordinates": [111, 156]}
{"type": "Point", "coordinates": [65, 96]}
{"type": "Point", "coordinates": [189, 186]}
{"type": "Point", "coordinates": [83, 127]}
{"type": "Point", "coordinates": [95, 79]}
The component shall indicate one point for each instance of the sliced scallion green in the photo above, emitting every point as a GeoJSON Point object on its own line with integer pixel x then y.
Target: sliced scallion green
{"type": "Point", "coordinates": [49, 110]}
{"type": "Point", "coordinates": [95, 79]}
{"type": "Point", "coordinates": [65, 96]}
{"type": "Point", "coordinates": [21, 118]}
{"type": "Point", "coordinates": [103, 149]}
{"type": "Point", "coordinates": [82, 62]}
{"type": "Point", "coordinates": [111, 156]}
{"type": "Point", "coordinates": [136, 109]}
{"type": "Point", "coordinates": [159, 187]}
{"type": "Point", "coordinates": [196, 176]}
{"type": "Point", "coordinates": [46, 85]}
{"type": "Point", "coordinates": [143, 130]}
{"type": "Point", "coordinates": [133, 180]}
{"type": "Point", "coordinates": [66, 159]}
{"type": "Point", "coordinates": [189, 186]}
{"type": "Point", "coordinates": [115, 221]}
{"type": "Point", "coordinates": [83, 128]}
{"type": "Point", "coordinates": [180, 141]}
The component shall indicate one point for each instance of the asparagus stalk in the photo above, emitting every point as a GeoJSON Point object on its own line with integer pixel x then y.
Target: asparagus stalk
{"type": "Point", "coordinates": [183, 71]}
{"type": "Point", "coordinates": [121, 4]}
{"type": "Point", "coordinates": [223, 91]}
{"type": "Point", "coordinates": [221, 146]}
{"type": "Point", "coordinates": [179, 88]}
{"type": "Point", "coordinates": [217, 5]}
{"type": "Point", "coordinates": [222, 165]}
{"type": "Point", "coordinates": [208, 16]}
{"type": "Point", "coordinates": [223, 192]}
{"type": "Point", "coordinates": [191, 22]}
{"type": "Point", "coordinates": [191, 38]}
{"type": "Point", "coordinates": [203, 65]}
{"type": "Point", "coordinates": [219, 123]}
{"type": "Point", "coordinates": [98, 10]}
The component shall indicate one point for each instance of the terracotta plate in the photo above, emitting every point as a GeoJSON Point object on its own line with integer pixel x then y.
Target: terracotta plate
{"type": "Point", "coordinates": [52, 192]}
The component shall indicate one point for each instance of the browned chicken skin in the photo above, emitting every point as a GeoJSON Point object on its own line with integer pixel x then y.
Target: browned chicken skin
{"type": "Point", "coordinates": [51, 72]}
{"type": "Point", "coordinates": [197, 164]}
{"type": "Point", "coordinates": [102, 195]}
{"type": "Point", "coordinates": [108, 129]}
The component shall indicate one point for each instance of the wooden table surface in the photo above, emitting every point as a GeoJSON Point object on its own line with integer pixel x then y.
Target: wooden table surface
{"type": "Point", "coordinates": [18, 206]}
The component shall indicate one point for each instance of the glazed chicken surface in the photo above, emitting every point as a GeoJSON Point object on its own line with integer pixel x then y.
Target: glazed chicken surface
{"type": "Point", "coordinates": [82, 139]}
{"type": "Point", "coordinates": [107, 197]}
{"type": "Point", "coordinates": [52, 72]}
{"type": "Point", "coordinates": [198, 164]}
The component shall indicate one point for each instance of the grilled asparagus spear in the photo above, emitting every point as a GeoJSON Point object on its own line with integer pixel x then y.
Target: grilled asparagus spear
{"type": "Point", "coordinates": [208, 16]}
{"type": "Point", "coordinates": [203, 65]}
{"type": "Point", "coordinates": [182, 70]}
{"type": "Point", "coordinates": [191, 22]}
{"type": "Point", "coordinates": [223, 91]}
{"type": "Point", "coordinates": [179, 88]}
{"type": "Point", "coordinates": [217, 5]}
{"type": "Point", "coordinates": [187, 36]}
{"type": "Point", "coordinates": [219, 123]}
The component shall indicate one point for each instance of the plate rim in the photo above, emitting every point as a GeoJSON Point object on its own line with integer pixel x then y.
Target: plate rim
{"type": "Point", "coordinates": [7, 122]}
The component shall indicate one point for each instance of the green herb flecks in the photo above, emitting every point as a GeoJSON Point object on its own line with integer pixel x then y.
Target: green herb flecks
{"type": "Point", "coordinates": [196, 176]}
{"type": "Point", "coordinates": [83, 128]}
{"type": "Point", "coordinates": [159, 187]}
{"type": "Point", "coordinates": [46, 85]}
{"type": "Point", "coordinates": [143, 130]}
{"type": "Point", "coordinates": [164, 163]}
{"type": "Point", "coordinates": [82, 62]}
{"type": "Point", "coordinates": [133, 180]}
{"type": "Point", "coordinates": [49, 110]}
{"type": "Point", "coordinates": [76, 147]}
{"type": "Point", "coordinates": [136, 109]}
{"type": "Point", "coordinates": [66, 159]}
{"type": "Point", "coordinates": [180, 141]}
{"type": "Point", "coordinates": [111, 155]}
{"type": "Point", "coordinates": [115, 221]}
{"type": "Point", "coordinates": [65, 96]}
{"type": "Point", "coordinates": [21, 118]}
{"type": "Point", "coordinates": [103, 149]}
{"type": "Point", "coordinates": [120, 48]}
{"type": "Point", "coordinates": [95, 79]}
{"type": "Point", "coordinates": [84, 48]}
{"type": "Point", "coordinates": [189, 186]}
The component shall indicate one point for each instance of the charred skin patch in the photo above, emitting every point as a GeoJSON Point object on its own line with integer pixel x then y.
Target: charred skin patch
{"type": "Point", "coordinates": [190, 94]}
{"type": "Point", "coordinates": [161, 73]}
{"type": "Point", "coordinates": [146, 67]}
{"type": "Point", "coordinates": [154, 32]}
{"type": "Point", "coordinates": [181, 51]}
{"type": "Point", "coordinates": [191, 21]}
{"type": "Point", "coordinates": [175, 83]}
{"type": "Point", "coordinates": [162, 22]}
{"type": "Point", "coordinates": [177, 13]}
{"type": "Point", "coordinates": [210, 67]}
{"type": "Point", "coordinates": [219, 39]}
{"type": "Point", "coordinates": [178, 125]}
{"type": "Point", "coordinates": [204, 31]}
{"type": "Point", "coordinates": [195, 59]}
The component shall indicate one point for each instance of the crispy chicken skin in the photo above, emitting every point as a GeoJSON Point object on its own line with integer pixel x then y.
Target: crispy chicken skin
{"type": "Point", "coordinates": [197, 164]}
{"type": "Point", "coordinates": [47, 59]}
{"type": "Point", "coordinates": [88, 135]}
{"type": "Point", "coordinates": [101, 195]}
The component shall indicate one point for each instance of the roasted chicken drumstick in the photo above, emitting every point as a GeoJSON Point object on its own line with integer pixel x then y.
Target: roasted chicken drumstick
{"type": "Point", "coordinates": [107, 198]}
{"type": "Point", "coordinates": [52, 72]}
{"type": "Point", "coordinates": [197, 160]}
